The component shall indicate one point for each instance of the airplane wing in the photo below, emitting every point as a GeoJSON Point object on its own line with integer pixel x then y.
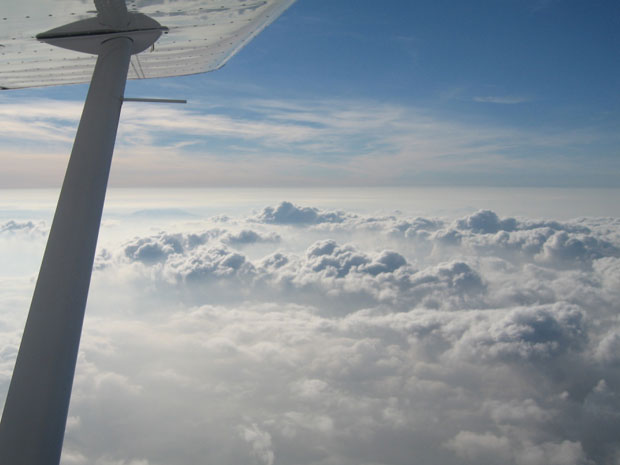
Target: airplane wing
{"type": "Point", "coordinates": [202, 36]}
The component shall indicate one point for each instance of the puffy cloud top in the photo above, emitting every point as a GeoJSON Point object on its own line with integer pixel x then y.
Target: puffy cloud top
{"type": "Point", "coordinates": [486, 222]}
{"type": "Point", "coordinates": [23, 227]}
{"type": "Point", "coordinates": [288, 213]}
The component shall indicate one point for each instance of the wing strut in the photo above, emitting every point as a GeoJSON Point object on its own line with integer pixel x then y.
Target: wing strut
{"type": "Point", "coordinates": [35, 412]}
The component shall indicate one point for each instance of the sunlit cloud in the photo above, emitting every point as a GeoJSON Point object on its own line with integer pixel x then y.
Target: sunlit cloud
{"type": "Point", "coordinates": [303, 335]}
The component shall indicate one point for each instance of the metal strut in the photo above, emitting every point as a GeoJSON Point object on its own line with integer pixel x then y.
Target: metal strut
{"type": "Point", "coordinates": [35, 412]}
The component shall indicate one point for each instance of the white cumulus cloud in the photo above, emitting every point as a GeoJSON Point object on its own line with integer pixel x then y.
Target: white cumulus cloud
{"type": "Point", "coordinates": [307, 336]}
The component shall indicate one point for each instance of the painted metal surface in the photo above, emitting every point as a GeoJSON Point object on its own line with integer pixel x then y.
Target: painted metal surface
{"type": "Point", "coordinates": [35, 412]}
{"type": "Point", "coordinates": [202, 36]}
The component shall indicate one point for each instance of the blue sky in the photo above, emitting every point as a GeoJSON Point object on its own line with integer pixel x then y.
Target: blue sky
{"type": "Point", "coordinates": [447, 55]}
{"type": "Point", "coordinates": [356, 93]}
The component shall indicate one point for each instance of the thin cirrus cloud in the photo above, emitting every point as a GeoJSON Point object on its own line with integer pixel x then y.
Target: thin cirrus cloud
{"type": "Point", "coordinates": [301, 335]}
{"type": "Point", "coordinates": [291, 142]}
{"type": "Point", "coordinates": [502, 100]}
{"type": "Point", "coordinates": [42, 121]}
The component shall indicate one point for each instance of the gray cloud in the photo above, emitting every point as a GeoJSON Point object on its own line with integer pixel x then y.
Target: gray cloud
{"type": "Point", "coordinates": [247, 236]}
{"type": "Point", "coordinates": [533, 333]}
{"type": "Point", "coordinates": [260, 441]}
{"type": "Point", "coordinates": [486, 222]}
{"type": "Point", "coordinates": [159, 247]}
{"type": "Point", "coordinates": [13, 227]}
{"type": "Point", "coordinates": [288, 213]}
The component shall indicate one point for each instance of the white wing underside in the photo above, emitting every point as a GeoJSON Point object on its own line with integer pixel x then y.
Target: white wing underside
{"type": "Point", "coordinates": [202, 36]}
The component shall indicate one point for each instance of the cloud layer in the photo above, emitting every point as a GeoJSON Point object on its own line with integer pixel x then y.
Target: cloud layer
{"type": "Point", "coordinates": [299, 335]}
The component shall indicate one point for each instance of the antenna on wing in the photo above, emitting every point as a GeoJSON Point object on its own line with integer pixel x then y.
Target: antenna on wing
{"type": "Point", "coordinates": [35, 412]}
